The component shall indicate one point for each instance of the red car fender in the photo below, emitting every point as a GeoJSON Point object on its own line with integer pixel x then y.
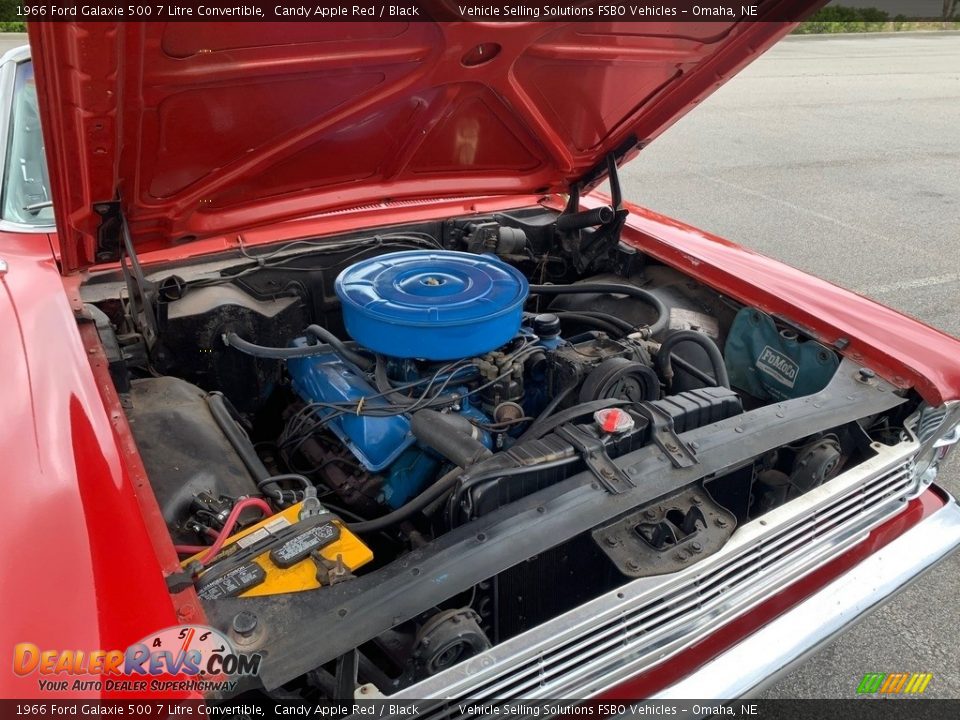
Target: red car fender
{"type": "Point", "coordinates": [81, 569]}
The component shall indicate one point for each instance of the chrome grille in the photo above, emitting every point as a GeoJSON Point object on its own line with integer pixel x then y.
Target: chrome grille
{"type": "Point", "coordinates": [613, 637]}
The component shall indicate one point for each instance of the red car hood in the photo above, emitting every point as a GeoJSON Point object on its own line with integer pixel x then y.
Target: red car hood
{"type": "Point", "coordinates": [202, 128]}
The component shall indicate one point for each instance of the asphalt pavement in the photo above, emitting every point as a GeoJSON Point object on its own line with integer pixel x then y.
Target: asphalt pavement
{"type": "Point", "coordinates": [839, 155]}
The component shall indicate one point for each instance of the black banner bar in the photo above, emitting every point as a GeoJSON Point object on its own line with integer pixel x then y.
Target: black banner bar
{"type": "Point", "coordinates": [443, 10]}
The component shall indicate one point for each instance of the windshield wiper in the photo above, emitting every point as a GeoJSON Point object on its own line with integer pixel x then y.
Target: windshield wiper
{"type": "Point", "coordinates": [33, 207]}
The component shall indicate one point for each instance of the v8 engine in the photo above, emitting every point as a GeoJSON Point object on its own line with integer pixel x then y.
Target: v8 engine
{"type": "Point", "coordinates": [446, 369]}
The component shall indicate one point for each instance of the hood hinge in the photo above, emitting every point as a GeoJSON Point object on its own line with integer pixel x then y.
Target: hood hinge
{"type": "Point", "coordinates": [142, 294]}
{"type": "Point", "coordinates": [109, 231]}
{"type": "Point", "coordinates": [114, 243]}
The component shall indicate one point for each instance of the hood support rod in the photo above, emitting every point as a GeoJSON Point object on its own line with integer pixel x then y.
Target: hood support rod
{"type": "Point", "coordinates": [592, 235]}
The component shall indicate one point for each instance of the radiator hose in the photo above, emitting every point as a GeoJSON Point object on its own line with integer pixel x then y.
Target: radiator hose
{"type": "Point", "coordinates": [451, 435]}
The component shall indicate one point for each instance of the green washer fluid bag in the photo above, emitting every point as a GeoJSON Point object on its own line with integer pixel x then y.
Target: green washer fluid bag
{"type": "Point", "coordinates": [775, 365]}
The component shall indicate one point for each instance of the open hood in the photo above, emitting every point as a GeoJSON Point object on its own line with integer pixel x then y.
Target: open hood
{"type": "Point", "coordinates": [205, 128]}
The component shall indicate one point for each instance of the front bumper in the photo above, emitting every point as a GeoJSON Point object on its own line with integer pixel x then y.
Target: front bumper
{"type": "Point", "coordinates": [799, 632]}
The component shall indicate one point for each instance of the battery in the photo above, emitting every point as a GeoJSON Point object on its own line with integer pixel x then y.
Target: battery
{"type": "Point", "coordinates": [275, 556]}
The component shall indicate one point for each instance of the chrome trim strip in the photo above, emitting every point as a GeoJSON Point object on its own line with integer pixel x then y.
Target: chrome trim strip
{"type": "Point", "coordinates": [801, 631]}
{"type": "Point", "coordinates": [611, 638]}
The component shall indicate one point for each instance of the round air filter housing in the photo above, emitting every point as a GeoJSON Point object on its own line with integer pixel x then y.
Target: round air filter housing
{"type": "Point", "coordinates": [432, 304]}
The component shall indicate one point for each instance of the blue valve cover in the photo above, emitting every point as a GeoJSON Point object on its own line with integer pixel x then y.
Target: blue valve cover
{"type": "Point", "coordinates": [375, 441]}
{"type": "Point", "coordinates": [432, 304]}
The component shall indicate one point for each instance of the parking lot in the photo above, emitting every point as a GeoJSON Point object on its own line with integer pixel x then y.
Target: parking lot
{"type": "Point", "coordinates": [841, 156]}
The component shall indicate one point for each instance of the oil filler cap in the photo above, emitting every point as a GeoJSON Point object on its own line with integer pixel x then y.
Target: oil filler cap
{"type": "Point", "coordinates": [432, 304]}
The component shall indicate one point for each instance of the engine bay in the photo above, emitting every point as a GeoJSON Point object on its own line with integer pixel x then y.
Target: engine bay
{"type": "Point", "coordinates": [532, 408]}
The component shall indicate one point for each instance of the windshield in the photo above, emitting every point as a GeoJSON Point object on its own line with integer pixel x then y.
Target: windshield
{"type": "Point", "coordinates": [26, 193]}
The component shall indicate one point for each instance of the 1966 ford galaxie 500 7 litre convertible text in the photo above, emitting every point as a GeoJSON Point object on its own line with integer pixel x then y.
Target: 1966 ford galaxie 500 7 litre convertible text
{"type": "Point", "coordinates": [319, 335]}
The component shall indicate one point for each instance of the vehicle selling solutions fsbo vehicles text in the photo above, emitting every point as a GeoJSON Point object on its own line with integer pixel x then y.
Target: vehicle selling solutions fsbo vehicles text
{"type": "Point", "coordinates": [507, 12]}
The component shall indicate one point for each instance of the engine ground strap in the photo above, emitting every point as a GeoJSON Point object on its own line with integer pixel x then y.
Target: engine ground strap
{"type": "Point", "coordinates": [665, 436]}
{"type": "Point", "coordinates": [595, 456]}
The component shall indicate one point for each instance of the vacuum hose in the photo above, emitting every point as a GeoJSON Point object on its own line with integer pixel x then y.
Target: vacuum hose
{"type": "Point", "coordinates": [326, 341]}
{"type": "Point", "coordinates": [324, 335]}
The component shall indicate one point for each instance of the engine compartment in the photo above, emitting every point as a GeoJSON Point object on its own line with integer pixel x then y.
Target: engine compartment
{"type": "Point", "coordinates": [318, 417]}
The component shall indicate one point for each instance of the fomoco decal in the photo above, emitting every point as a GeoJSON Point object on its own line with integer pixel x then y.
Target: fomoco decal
{"type": "Point", "coordinates": [778, 366]}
